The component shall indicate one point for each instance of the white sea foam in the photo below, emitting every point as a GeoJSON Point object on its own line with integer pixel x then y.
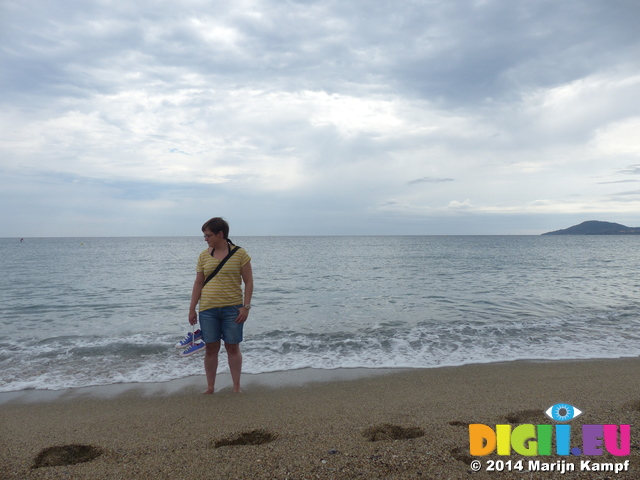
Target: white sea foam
{"type": "Point", "coordinates": [71, 362]}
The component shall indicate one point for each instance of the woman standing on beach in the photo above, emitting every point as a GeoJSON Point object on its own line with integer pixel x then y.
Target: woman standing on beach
{"type": "Point", "coordinates": [223, 308]}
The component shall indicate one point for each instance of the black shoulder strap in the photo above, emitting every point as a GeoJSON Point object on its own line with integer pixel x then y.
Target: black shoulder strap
{"type": "Point", "coordinates": [221, 264]}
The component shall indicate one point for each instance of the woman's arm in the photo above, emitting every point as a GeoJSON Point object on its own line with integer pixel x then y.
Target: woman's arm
{"type": "Point", "coordinates": [198, 284]}
{"type": "Point", "coordinates": [247, 278]}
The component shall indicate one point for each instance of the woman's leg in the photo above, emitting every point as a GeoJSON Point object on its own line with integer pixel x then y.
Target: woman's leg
{"type": "Point", "coordinates": [235, 363]}
{"type": "Point", "coordinates": [211, 364]}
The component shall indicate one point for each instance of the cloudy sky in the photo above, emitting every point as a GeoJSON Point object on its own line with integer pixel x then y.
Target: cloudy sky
{"type": "Point", "coordinates": [318, 117]}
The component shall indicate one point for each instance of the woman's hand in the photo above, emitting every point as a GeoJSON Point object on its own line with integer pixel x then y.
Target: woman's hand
{"type": "Point", "coordinates": [243, 314]}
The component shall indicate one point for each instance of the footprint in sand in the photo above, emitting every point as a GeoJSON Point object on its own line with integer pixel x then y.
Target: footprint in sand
{"type": "Point", "coordinates": [461, 455]}
{"type": "Point", "coordinates": [526, 416]}
{"type": "Point", "coordinates": [254, 437]}
{"type": "Point", "coordinates": [387, 431]}
{"type": "Point", "coordinates": [459, 423]}
{"type": "Point", "coordinates": [66, 455]}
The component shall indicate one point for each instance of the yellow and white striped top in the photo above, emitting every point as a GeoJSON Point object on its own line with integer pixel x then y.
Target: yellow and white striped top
{"type": "Point", "coordinates": [225, 289]}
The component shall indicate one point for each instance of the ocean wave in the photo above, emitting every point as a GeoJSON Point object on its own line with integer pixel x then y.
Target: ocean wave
{"type": "Point", "coordinates": [77, 361]}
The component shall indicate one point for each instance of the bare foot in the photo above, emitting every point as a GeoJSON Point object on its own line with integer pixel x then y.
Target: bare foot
{"type": "Point", "coordinates": [208, 391]}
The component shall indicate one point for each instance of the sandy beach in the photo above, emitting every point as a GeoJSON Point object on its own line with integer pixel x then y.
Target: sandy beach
{"type": "Point", "coordinates": [408, 424]}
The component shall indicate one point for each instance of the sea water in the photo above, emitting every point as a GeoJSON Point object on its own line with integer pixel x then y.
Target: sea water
{"type": "Point", "coordinates": [76, 312]}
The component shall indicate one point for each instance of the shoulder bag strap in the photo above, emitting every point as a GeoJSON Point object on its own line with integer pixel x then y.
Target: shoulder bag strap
{"type": "Point", "coordinates": [221, 264]}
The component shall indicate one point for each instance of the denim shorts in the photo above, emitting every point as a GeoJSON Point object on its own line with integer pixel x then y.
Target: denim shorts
{"type": "Point", "coordinates": [220, 323]}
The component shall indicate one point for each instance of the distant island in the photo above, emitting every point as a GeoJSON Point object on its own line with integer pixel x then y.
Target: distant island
{"type": "Point", "coordinates": [594, 227]}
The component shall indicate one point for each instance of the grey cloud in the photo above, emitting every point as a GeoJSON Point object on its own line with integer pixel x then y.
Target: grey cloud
{"type": "Point", "coordinates": [631, 170]}
{"type": "Point", "coordinates": [456, 52]}
{"type": "Point", "coordinates": [429, 180]}
{"type": "Point", "coordinates": [363, 94]}
{"type": "Point", "coordinates": [627, 193]}
{"type": "Point", "coordinates": [617, 181]}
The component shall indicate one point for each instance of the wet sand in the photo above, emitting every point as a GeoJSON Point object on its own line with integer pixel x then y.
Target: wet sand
{"type": "Point", "coordinates": [306, 425]}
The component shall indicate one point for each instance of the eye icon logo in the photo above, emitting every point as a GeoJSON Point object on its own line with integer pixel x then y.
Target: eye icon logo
{"type": "Point", "coordinates": [563, 412]}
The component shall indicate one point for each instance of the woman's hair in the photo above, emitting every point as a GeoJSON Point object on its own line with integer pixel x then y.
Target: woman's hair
{"type": "Point", "coordinates": [215, 225]}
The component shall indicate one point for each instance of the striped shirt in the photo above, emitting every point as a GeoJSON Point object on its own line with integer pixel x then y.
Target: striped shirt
{"type": "Point", "coordinates": [225, 289]}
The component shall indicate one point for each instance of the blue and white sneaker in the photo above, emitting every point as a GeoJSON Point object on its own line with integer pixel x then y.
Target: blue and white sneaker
{"type": "Point", "coordinates": [186, 341]}
{"type": "Point", "coordinates": [195, 348]}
